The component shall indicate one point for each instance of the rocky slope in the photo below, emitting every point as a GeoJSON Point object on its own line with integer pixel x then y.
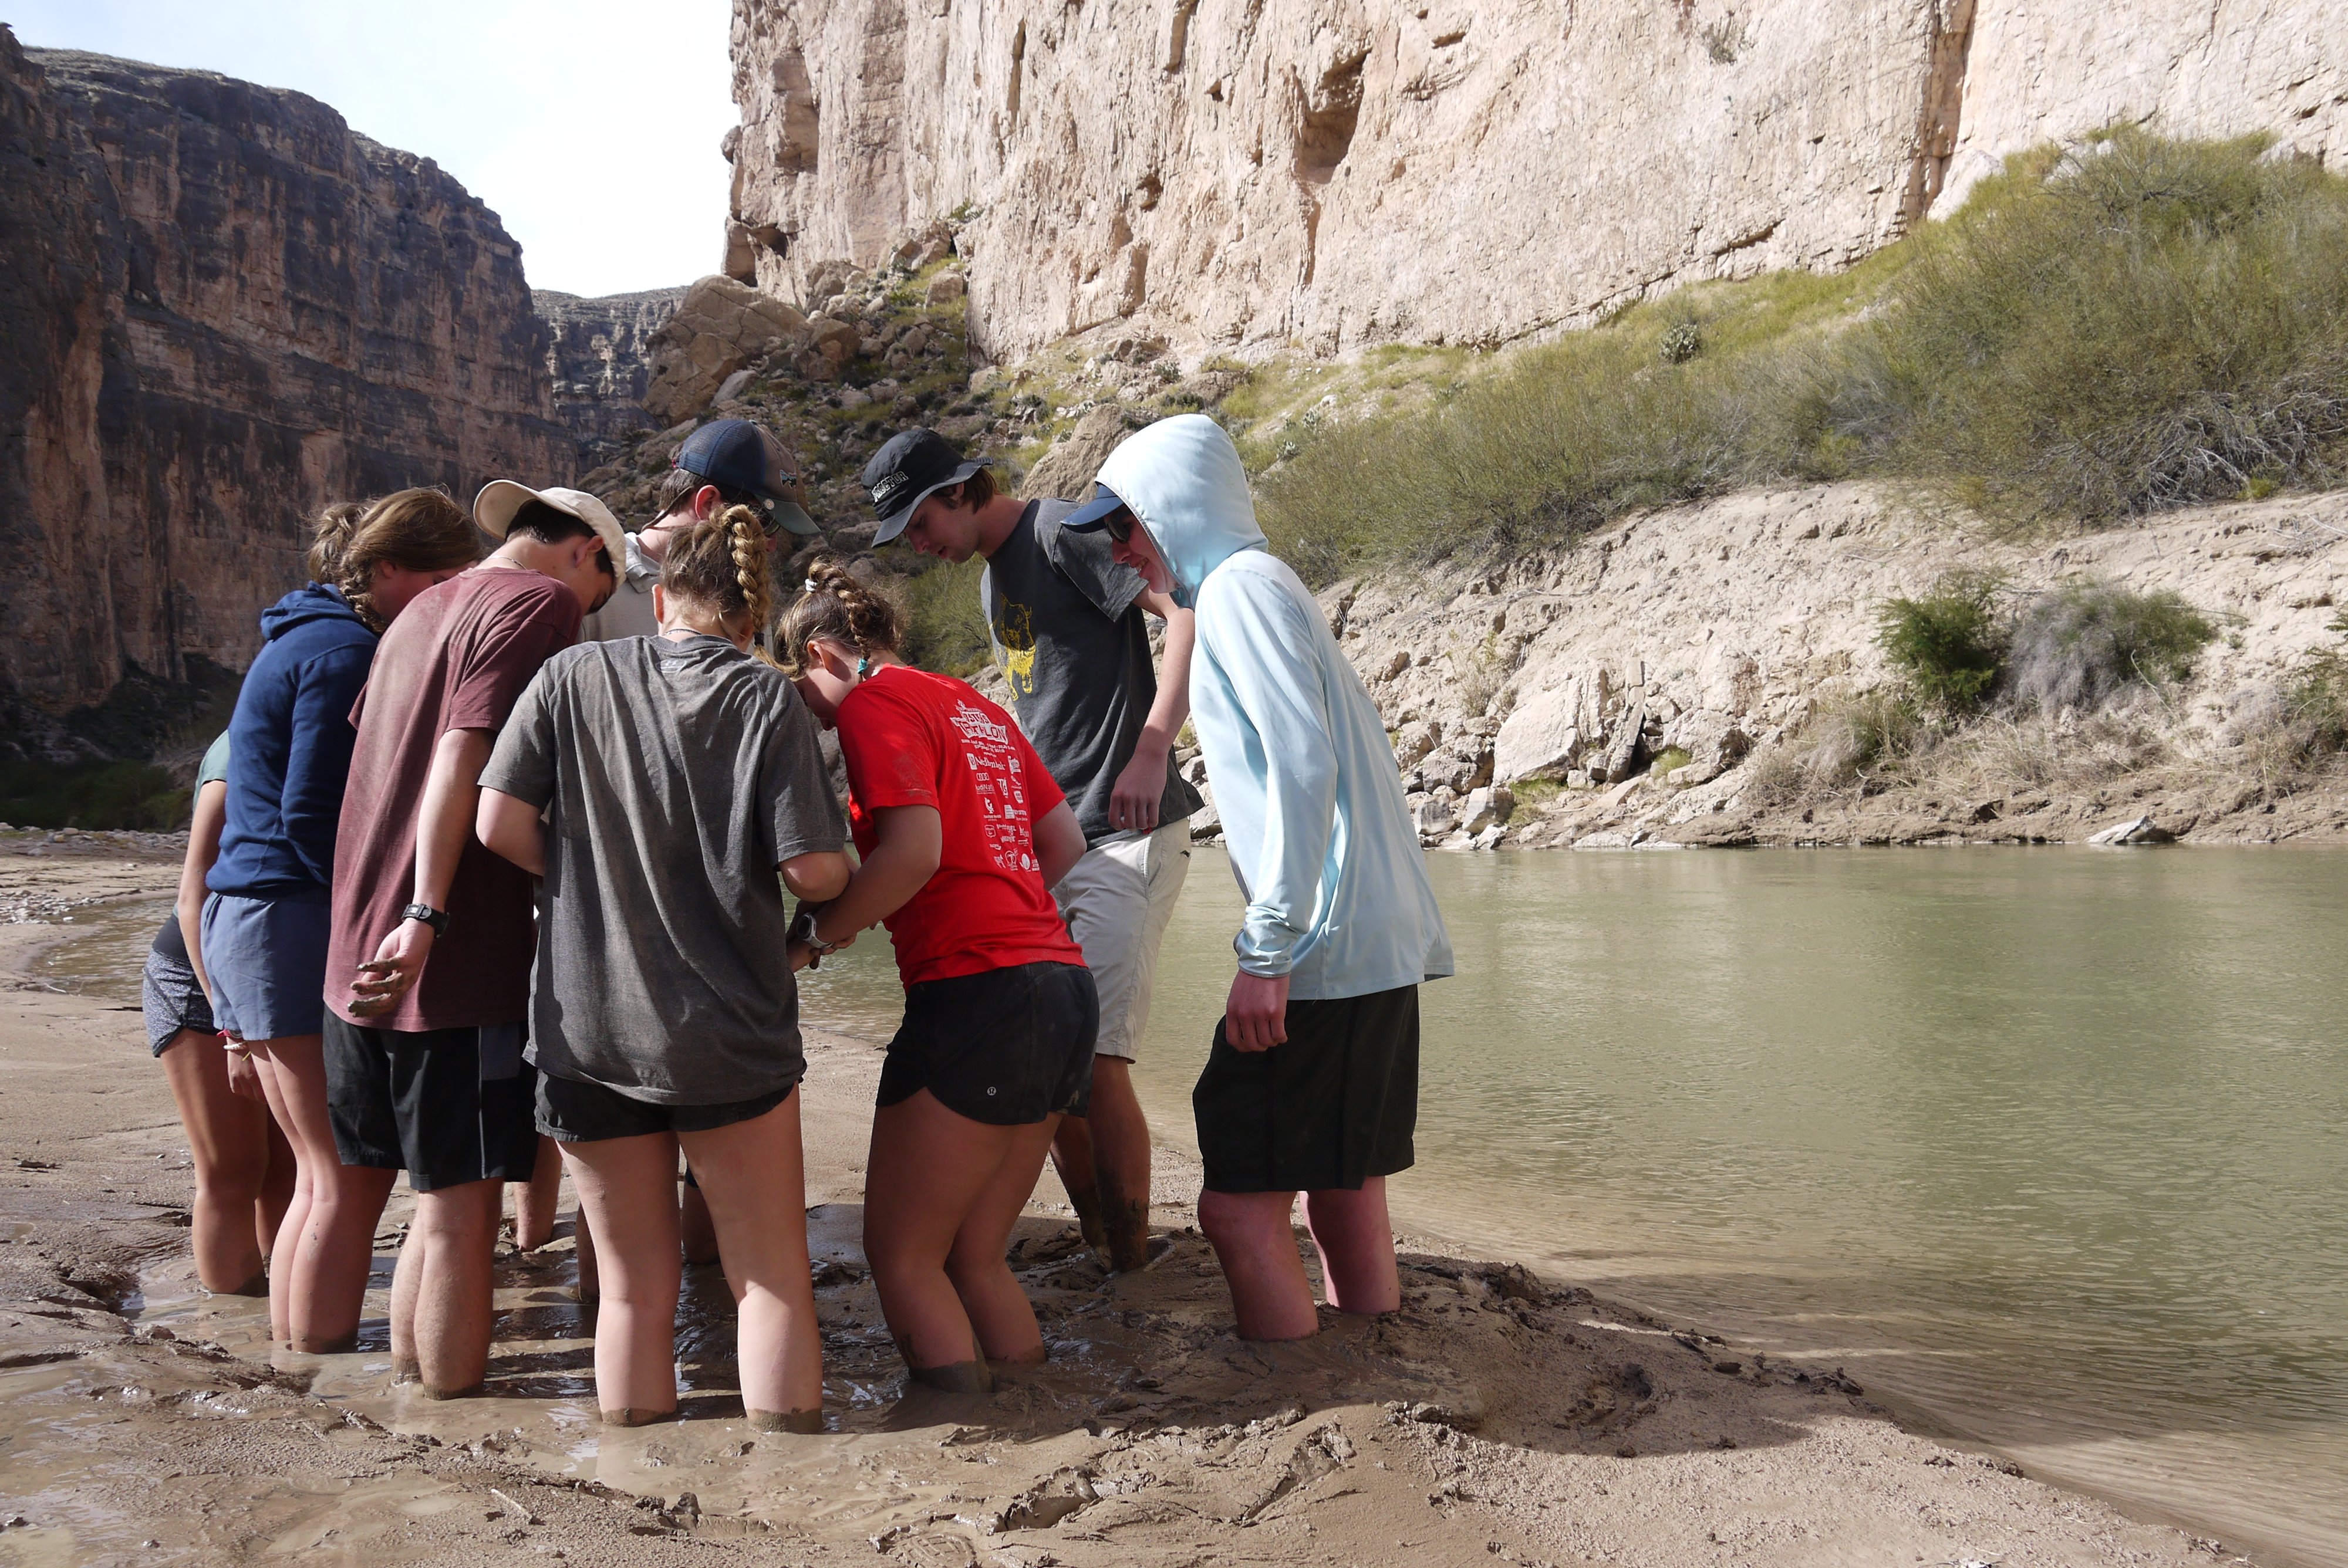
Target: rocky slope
{"type": "Point", "coordinates": [224, 308]}
{"type": "Point", "coordinates": [1326, 173]}
{"type": "Point", "coordinates": [1667, 680]}
{"type": "Point", "coordinates": [600, 357]}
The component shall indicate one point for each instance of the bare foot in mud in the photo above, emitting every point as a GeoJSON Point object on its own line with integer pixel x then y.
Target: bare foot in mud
{"type": "Point", "coordinates": [803, 1422]}
{"type": "Point", "coordinates": [627, 1416]}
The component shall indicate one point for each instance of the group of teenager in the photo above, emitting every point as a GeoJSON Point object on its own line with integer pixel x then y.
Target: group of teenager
{"type": "Point", "coordinates": [493, 877]}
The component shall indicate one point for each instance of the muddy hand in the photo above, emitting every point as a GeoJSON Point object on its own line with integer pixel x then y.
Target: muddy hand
{"type": "Point", "coordinates": [394, 970]}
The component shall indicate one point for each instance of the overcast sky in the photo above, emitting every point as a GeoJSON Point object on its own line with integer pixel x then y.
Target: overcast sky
{"type": "Point", "coordinates": [590, 125]}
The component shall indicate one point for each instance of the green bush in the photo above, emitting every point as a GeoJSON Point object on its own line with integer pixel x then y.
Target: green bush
{"type": "Point", "coordinates": [2093, 338]}
{"type": "Point", "coordinates": [2077, 645]}
{"type": "Point", "coordinates": [2090, 339]}
{"type": "Point", "coordinates": [130, 794]}
{"type": "Point", "coordinates": [1951, 643]}
{"type": "Point", "coordinates": [2315, 700]}
{"type": "Point", "coordinates": [945, 628]}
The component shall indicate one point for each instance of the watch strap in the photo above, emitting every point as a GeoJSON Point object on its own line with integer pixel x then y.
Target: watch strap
{"type": "Point", "coordinates": [436, 918]}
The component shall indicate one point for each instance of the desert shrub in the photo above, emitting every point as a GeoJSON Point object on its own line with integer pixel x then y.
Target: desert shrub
{"type": "Point", "coordinates": [132, 795]}
{"type": "Point", "coordinates": [945, 628]}
{"type": "Point", "coordinates": [1949, 643]}
{"type": "Point", "coordinates": [2076, 645]}
{"type": "Point", "coordinates": [1861, 736]}
{"type": "Point", "coordinates": [1667, 759]}
{"type": "Point", "coordinates": [2092, 337]}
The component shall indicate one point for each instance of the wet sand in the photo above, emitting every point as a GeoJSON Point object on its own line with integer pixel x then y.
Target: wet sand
{"type": "Point", "coordinates": [1498, 1416]}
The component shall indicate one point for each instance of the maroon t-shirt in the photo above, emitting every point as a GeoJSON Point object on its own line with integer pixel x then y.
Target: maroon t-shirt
{"type": "Point", "coordinates": [456, 658]}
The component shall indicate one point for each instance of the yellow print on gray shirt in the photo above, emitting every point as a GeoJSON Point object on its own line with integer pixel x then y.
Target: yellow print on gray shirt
{"type": "Point", "coordinates": [1015, 629]}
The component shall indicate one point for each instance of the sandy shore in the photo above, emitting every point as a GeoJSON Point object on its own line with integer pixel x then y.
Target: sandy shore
{"type": "Point", "coordinates": [1499, 1417]}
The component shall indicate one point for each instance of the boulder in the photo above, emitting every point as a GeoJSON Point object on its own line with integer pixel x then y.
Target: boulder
{"type": "Point", "coordinates": [1433, 817]}
{"type": "Point", "coordinates": [1485, 808]}
{"type": "Point", "coordinates": [719, 327]}
{"type": "Point", "coordinates": [1414, 740]}
{"type": "Point", "coordinates": [945, 290]}
{"type": "Point", "coordinates": [1713, 741]}
{"type": "Point", "coordinates": [2132, 834]}
{"type": "Point", "coordinates": [1065, 471]}
{"type": "Point", "coordinates": [1542, 735]}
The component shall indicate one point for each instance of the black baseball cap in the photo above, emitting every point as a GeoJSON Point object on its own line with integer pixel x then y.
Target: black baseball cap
{"type": "Point", "coordinates": [740, 455]}
{"type": "Point", "coordinates": [1096, 513]}
{"type": "Point", "coordinates": [912, 467]}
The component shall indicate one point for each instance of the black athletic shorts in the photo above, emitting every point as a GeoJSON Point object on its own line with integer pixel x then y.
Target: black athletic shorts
{"type": "Point", "coordinates": [576, 1111]}
{"type": "Point", "coordinates": [1005, 1047]}
{"type": "Point", "coordinates": [447, 1105]}
{"type": "Point", "coordinates": [1332, 1106]}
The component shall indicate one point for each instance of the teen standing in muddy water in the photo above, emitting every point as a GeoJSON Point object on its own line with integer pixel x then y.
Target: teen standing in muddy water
{"type": "Point", "coordinates": [263, 941]}
{"type": "Point", "coordinates": [1312, 1083]}
{"type": "Point", "coordinates": [674, 771]}
{"type": "Point", "coordinates": [244, 1167]}
{"type": "Point", "coordinates": [1069, 625]}
{"type": "Point", "coordinates": [424, 1043]}
{"type": "Point", "coordinates": [962, 834]}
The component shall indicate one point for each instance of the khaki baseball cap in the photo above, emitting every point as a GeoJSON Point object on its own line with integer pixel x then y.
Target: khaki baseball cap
{"type": "Point", "coordinates": [499, 499]}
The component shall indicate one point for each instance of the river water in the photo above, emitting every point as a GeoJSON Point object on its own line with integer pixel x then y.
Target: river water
{"type": "Point", "coordinates": [2049, 1147]}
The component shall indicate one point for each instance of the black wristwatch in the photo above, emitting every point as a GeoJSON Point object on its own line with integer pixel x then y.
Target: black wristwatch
{"type": "Point", "coordinates": [436, 918]}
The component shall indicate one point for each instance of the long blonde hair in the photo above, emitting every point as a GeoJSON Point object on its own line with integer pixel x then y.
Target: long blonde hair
{"type": "Point", "coordinates": [418, 530]}
{"type": "Point", "coordinates": [720, 563]}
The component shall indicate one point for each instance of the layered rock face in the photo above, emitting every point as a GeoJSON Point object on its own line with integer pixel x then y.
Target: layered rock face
{"type": "Point", "coordinates": [599, 357]}
{"type": "Point", "coordinates": [225, 308]}
{"type": "Point", "coordinates": [1328, 173]}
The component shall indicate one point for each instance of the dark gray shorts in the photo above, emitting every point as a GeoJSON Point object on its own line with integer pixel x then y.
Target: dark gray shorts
{"type": "Point", "coordinates": [172, 1001]}
{"type": "Point", "coordinates": [1334, 1105]}
{"type": "Point", "coordinates": [1005, 1047]}
{"type": "Point", "coordinates": [448, 1106]}
{"type": "Point", "coordinates": [578, 1110]}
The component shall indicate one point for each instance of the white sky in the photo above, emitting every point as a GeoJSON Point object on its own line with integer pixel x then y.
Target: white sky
{"type": "Point", "coordinates": [591, 127]}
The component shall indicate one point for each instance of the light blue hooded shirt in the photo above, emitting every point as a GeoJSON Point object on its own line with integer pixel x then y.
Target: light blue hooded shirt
{"type": "Point", "coordinates": [1312, 801]}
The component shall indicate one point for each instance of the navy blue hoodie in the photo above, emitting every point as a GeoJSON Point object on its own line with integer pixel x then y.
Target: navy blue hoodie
{"type": "Point", "coordinates": [290, 749]}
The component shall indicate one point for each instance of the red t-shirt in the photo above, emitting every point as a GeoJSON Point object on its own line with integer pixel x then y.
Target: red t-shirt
{"type": "Point", "coordinates": [911, 738]}
{"type": "Point", "coordinates": [456, 658]}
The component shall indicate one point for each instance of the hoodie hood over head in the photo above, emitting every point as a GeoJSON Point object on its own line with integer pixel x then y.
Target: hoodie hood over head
{"type": "Point", "coordinates": [311, 601]}
{"type": "Point", "coordinates": [1183, 479]}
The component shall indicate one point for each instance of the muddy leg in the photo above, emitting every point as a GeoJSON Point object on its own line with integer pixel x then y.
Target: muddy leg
{"type": "Point", "coordinates": [1257, 1247]}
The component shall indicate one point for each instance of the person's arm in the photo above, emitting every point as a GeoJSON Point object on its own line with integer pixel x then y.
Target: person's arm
{"type": "Point", "coordinates": [451, 792]}
{"type": "Point", "coordinates": [1134, 799]}
{"type": "Point", "coordinates": [318, 757]}
{"type": "Point", "coordinates": [204, 848]}
{"type": "Point", "coordinates": [816, 876]}
{"type": "Point", "coordinates": [1059, 843]}
{"type": "Point", "coordinates": [511, 826]}
{"type": "Point", "coordinates": [910, 839]}
{"type": "Point", "coordinates": [1277, 688]}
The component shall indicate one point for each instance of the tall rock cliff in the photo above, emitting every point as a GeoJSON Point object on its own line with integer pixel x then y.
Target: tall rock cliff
{"type": "Point", "coordinates": [1327, 173]}
{"type": "Point", "coordinates": [224, 307]}
{"type": "Point", "coordinates": [599, 355]}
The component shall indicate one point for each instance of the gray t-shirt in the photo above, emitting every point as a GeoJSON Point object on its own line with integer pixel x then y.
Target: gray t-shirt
{"type": "Point", "coordinates": [675, 776]}
{"type": "Point", "coordinates": [1076, 649]}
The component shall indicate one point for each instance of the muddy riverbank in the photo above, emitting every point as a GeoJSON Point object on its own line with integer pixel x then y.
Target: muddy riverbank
{"type": "Point", "coordinates": [1500, 1416]}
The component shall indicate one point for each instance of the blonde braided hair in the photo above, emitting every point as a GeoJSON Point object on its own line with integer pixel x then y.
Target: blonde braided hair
{"type": "Point", "coordinates": [836, 605]}
{"type": "Point", "coordinates": [720, 563]}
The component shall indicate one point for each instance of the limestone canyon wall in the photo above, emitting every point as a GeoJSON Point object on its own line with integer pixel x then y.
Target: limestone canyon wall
{"type": "Point", "coordinates": [599, 354]}
{"type": "Point", "coordinates": [1328, 173]}
{"type": "Point", "coordinates": [224, 307]}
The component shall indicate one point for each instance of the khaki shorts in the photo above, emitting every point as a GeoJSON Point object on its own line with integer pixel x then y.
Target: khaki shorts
{"type": "Point", "coordinates": [1117, 901]}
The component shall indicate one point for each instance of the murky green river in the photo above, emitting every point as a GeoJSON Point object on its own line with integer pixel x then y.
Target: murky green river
{"type": "Point", "coordinates": [2049, 1147]}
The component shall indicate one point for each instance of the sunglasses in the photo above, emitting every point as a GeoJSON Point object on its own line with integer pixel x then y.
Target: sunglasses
{"type": "Point", "coordinates": [1119, 524]}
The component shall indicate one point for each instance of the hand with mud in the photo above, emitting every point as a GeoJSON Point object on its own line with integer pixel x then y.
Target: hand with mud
{"type": "Point", "coordinates": [394, 970]}
{"type": "Point", "coordinates": [1256, 1016]}
{"type": "Point", "coordinates": [243, 1078]}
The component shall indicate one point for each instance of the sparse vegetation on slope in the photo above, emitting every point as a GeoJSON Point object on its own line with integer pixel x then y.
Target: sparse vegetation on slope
{"type": "Point", "coordinates": [2100, 334]}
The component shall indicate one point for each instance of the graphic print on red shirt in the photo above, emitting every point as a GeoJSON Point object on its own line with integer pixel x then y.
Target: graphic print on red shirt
{"type": "Point", "coordinates": [911, 738]}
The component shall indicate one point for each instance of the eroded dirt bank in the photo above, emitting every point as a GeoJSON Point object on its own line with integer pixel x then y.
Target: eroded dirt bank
{"type": "Point", "coordinates": [1499, 1418]}
{"type": "Point", "coordinates": [1686, 676]}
